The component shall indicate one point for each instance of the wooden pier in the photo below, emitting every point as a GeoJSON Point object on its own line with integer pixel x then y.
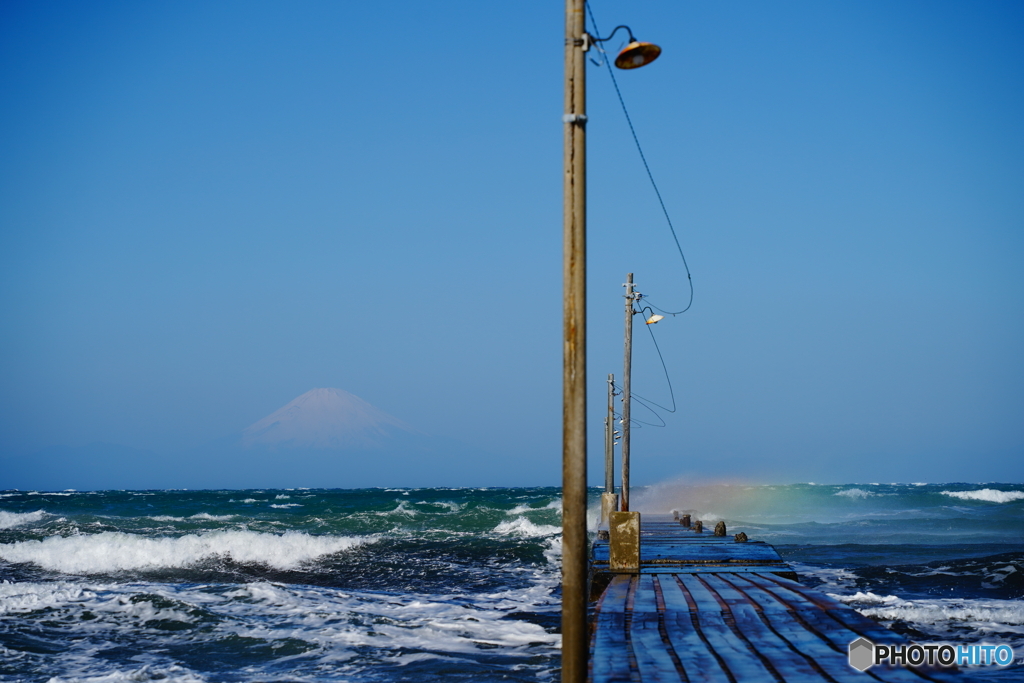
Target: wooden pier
{"type": "Point", "coordinates": [699, 607]}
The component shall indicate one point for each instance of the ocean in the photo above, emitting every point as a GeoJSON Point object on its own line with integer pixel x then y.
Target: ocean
{"type": "Point", "coordinates": [444, 584]}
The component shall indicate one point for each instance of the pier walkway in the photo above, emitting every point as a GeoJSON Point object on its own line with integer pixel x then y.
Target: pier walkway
{"type": "Point", "coordinates": [711, 609]}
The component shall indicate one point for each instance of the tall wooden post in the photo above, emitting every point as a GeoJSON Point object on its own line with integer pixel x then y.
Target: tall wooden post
{"type": "Point", "coordinates": [574, 367]}
{"type": "Point", "coordinates": [609, 439]}
{"type": "Point", "coordinates": [627, 363]}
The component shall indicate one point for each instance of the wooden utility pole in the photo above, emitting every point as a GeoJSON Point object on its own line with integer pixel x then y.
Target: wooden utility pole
{"type": "Point", "coordinates": [627, 363]}
{"type": "Point", "coordinates": [575, 646]}
{"type": "Point", "coordinates": [609, 439]}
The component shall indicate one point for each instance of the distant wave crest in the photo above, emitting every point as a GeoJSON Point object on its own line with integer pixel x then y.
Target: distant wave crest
{"type": "Point", "coordinates": [520, 526]}
{"type": "Point", "coordinates": [936, 611]}
{"type": "Point", "coordinates": [988, 495]}
{"type": "Point", "coordinates": [117, 551]}
{"type": "Point", "coordinates": [855, 493]}
{"type": "Point", "coordinates": [9, 520]}
{"type": "Point", "coordinates": [203, 516]}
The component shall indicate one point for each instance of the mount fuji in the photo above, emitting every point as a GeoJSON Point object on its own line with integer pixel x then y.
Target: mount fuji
{"type": "Point", "coordinates": [325, 438]}
{"type": "Point", "coordinates": [326, 419]}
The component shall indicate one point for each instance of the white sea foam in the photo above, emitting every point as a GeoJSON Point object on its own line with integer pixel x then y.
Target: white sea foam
{"type": "Point", "coordinates": [29, 597]}
{"type": "Point", "coordinates": [350, 632]}
{"type": "Point", "coordinates": [988, 495]}
{"type": "Point", "coordinates": [979, 614]}
{"type": "Point", "coordinates": [116, 551]}
{"type": "Point", "coordinates": [526, 507]}
{"type": "Point", "coordinates": [281, 496]}
{"type": "Point", "coordinates": [401, 509]}
{"type": "Point", "coordinates": [402, 622]}
{"type": "Point", "coordinates": [171, 674]}
{"type": "Point", "coordinates": [18, 598]}
{"type": "Point", "coordinates": [201, 516]}
{"type": "Point", "coordinates": [287, 505]}
{"type": "Point", "coordinates": [447, 505]}
{"type": "Point", "coordinates": [855, 493]}
{"type": "Point", "coordinates": [521, 526]}
{"type": "Point", "coordinates": [10, 520]}
{"type": "Point", "coordinates": [832, 578]}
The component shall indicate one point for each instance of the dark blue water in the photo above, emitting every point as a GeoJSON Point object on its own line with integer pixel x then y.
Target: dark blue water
{"type": "Point", "coordinates": [441, 584]}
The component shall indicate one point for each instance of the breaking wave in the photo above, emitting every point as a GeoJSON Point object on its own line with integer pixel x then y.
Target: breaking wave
{"type": "Point", "coordinates": [520, 526]}
{"type": "Point", "coordinates": [942, 616]}
{"type": "Point", "coordinates": [9, 520]}
{"type": "Point", "coordinates": [855, 493]}
{"type": "Point", "coordinates": [118, 551]}
{"type": "Point", "coordinates": [988, 495]}
{"type": "Point", "coordinates": [202, 516]}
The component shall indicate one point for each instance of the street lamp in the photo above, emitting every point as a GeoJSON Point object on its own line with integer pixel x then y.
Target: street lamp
{"type": "Point", "coordinates": [575, 645]}
{"type": "Point", "coordinates": [634, 55]}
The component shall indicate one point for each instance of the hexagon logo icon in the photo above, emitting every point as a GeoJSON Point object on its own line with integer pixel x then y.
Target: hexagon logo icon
{"type": "Point", "coordinates": [862, 654]}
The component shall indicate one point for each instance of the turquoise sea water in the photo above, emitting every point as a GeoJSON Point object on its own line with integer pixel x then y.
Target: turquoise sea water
{"type": "Point", "coordinates": [442, 584]}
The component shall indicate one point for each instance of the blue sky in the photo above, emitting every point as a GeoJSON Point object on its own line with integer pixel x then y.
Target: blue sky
{"type": "Point", "coordinates": [209, 208]}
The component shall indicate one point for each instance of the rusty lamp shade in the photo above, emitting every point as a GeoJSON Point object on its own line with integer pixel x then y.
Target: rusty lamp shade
{"type": "Point", "coordinates": [637, 54]}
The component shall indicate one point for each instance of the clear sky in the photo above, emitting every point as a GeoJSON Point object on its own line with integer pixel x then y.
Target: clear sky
{"type": "Point", "coordinates": [209, 208]}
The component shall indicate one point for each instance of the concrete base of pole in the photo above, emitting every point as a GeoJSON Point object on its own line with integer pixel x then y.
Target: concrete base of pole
{"type": "Point", "coordinates": [609, 504]}
{"type": "Point", "coordinates": [624, 544]}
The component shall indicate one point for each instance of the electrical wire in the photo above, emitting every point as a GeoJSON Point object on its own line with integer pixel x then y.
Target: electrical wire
{"type": "Point", "coordinates": [618, 419]}
{"type": "Point", "coordinates": [668, 379]}
{"type": "Point", "coordinates": [647, 403]}
{"type": "Point", "coordinates": [640, 423]}
{"type": "Point", "coordinates": [644, 404]}
{"type": "Point", "coordinates": [650, 176]}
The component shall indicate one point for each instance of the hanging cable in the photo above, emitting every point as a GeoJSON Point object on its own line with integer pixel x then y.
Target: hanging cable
{"type": "Point", "coordinates": [650, 176]}
{"type": "Point", "coordinates": [664, 368]}
{"type": "Point", "coordinates": [634, 421]}
{"type": "Point", "coordinates": [644, 404]}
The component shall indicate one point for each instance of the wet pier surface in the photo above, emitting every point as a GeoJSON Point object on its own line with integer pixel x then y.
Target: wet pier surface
{"type": "Point", "coordinates": [707, 608]}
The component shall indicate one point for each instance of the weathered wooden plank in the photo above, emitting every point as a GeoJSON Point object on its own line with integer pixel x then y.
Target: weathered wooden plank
{"type": "Point", "coordinates": [842, 625]}
{"type": "Point", "coordinates": [828, 629]}
{"type": "Point", "coordinates": [736, 655]}
{"type": "Point", "coordinates": [720, 552]}
{"type": "Point", "coordinates": [816, 652]}
{"type": "Point", "coordinates": [610, 651]}
{"type": "Point", "coordinates": [798, 594]}
{"type": "Point", "coordinates": [706, 569]}
{"type": "Point", "coordinates": [696, 656]}
{"type": "Point", "coordinates": [654, 657]}
{"type": "Point", "coordinates": [695, 538]}
{"type": "Point", "coordinates": [776, 652]}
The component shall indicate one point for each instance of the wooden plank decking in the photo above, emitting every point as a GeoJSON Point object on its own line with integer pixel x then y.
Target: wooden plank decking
{"type": "Point", "coordinates": [709, 609]}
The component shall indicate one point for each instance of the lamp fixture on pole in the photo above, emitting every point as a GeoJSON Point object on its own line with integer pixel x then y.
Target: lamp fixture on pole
{"type": "Point", "coordinates": [634, 55]}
